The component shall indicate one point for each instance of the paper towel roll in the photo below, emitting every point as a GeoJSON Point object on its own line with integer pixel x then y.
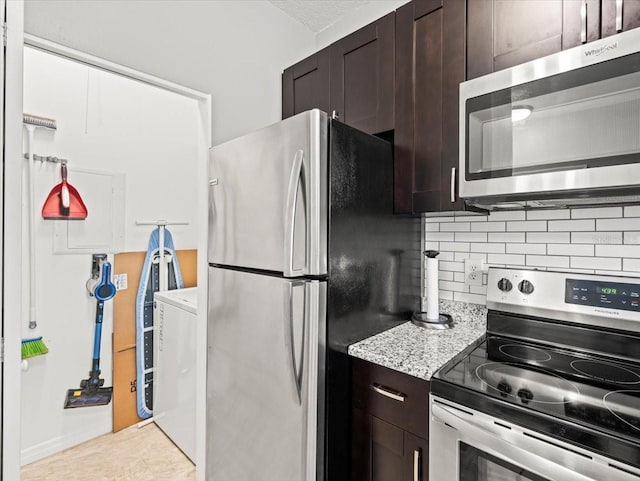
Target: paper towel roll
{"type": "Point", "coordinates": [433, 305]}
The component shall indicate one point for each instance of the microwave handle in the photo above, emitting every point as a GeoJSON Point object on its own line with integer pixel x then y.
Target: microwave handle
{"type": "Point", "coordinates": [453, 184]}
{"type": "Point", "coordinates": [583, 22]}
{"type": "Point", "coordinates": [619, 15]}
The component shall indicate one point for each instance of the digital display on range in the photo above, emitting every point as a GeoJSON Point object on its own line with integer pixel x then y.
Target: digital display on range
{"type": "Point", "coordinates": [612, 295]}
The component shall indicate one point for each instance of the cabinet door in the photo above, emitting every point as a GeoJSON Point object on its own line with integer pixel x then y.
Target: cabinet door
{"type": "Point", "coordinates": [619, 16]}
{"type": "Point", "coordinates": [362, 76]}
{"type": "Point", "coordinates": [429, 68]}
{"type": "Point", "coordinates": [306, 85]}
{"type": "Point", "coordinates": [504, 33]}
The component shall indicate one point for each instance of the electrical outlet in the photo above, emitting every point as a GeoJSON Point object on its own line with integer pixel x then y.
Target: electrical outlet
{"type": "Point", "coordinates": [473, 272]}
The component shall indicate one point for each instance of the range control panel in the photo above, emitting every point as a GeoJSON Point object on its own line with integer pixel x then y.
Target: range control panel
{"type": "Point", "coordinates": [611, 295]}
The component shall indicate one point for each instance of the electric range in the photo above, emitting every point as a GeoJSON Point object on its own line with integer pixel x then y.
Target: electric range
{"type": "Point", "coordinates": [553, 390]}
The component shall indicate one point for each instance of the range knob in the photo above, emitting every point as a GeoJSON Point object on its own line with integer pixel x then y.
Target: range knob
{"type": "Point", "coordinates": [525, 395]}
{"type": "Point", "coordinates": [504, 388]}
{"type": "Point", "coordinates": [525, 287]}
{"type": "Point", "coordinates": [505, 285]}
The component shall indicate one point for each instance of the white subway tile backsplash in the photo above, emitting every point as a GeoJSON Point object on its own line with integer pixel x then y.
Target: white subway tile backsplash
{"type": "Point", "coordinates": [607, 263]}
{"type": "Point", "coordinates": [632, 265]}
{"type": "Point", "coordinates": [572, 225]}
{"type": "Point", "coordinates": [618, 251]}
{"type": "Point", "coordinates": [527, 226]}
{"type": "Point", "coordinates": [596, 212]}
{"type": "Point", "coordinates": [454, 246]}
{"type": "Point", "coordinates": [515, 259]}
{"type": "Point", "coordinates": [438, 236]}
{"type": "Point", "coordinates": [452, 266]}
{"type": "Point", "coordinates": [626, 223]}
{"type": "Point", "coordinates": [470, 298]}
{"type": "Point", "coordinates": [547, 261]}
{"type": "Point", "coordinates": [508, 215]}
{"type": "Point", "coordinates": [548, 237]}
{"type": "Point", "coordinates": [455, 227]}
{"type": "Point", "coordinates": [438, 219]}
{"type": "Point", "coordinates": [446, 295]}
{"type": "Point", "coordinates": [570, 249]}
{"type": "Point", "coordinates": [548, 214]}
{"type": "Point", "coordinates": [578, 240]}
{"type": "Point", "coordinates": [506, 237]}
{"type": "Point", "coordinates": [488, 248]}
{"type": "Point", "coordinates": [596, 237]}
{"type": "Point", "coordinates": [527, 249]}
{"type": "Point", "coordinates": [471, 237]}
{"type": "Point", "coordinates": [488, 227]}
{"type": "Point", "coordinates": [632, 211]}
{"type": "Point", "coordinates": [632, 237]}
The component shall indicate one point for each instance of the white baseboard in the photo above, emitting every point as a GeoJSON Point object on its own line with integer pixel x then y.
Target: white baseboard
{"type": "Point", "coordinates": [60, 443]}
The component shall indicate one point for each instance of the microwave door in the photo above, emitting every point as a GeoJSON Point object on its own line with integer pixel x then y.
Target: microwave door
{"type": "Point", "coordinates": [267, 198]}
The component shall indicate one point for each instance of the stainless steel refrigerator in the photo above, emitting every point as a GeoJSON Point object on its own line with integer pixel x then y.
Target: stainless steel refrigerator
{"type": "Point", "coordinates": [305, 257]}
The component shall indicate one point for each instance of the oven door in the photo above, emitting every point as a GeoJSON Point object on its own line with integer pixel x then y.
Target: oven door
{"type": "Point", "coordinates": [466, 445]}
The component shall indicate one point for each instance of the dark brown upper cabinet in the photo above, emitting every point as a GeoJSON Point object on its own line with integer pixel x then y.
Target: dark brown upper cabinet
{"type": "Point", "coordinates": [306, 85]}
{"type": "Point", "coordinates": [619, 16]}
{"type": "Point", "coordinates": [362, 77]}
{"type": "Point", "coordinates": [430, 64]}
{"type": "Point", "coordinates": [504, 33]}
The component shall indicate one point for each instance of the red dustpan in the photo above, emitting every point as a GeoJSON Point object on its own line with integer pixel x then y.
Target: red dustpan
{"type": "Point", "coordinates": [64, 201]}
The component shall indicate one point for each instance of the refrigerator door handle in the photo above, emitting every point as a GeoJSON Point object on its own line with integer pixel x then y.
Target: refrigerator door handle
{"type": "Point", "coordinates": [290, 216]}
{"type": "Point", "coordinates": [296, 371]}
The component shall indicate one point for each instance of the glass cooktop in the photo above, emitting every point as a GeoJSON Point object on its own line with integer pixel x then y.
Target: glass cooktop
{"type": "Point", "coordinates": [594, 391]}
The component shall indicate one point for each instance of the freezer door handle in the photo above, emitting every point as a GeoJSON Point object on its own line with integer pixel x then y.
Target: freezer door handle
{"type": "Point", "coordinates": [296, 370]}
{"type": "Point", "coordinates": [290, 216]}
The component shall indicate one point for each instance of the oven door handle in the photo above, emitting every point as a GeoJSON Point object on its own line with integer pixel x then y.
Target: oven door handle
{"type": "Point", "coordinates": [489, 440]}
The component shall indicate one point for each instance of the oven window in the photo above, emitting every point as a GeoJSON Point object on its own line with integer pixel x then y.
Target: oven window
{"type": "Point", "coordinates": [476, 465]}
{"type": "Point", "coordinates": [584, 118]}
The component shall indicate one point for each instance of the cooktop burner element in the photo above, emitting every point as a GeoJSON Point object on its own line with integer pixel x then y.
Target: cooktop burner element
{"type": "Point", "coordinates": [523, 352]}
{"type": "Point", "coordinates": [605, 371]}
{"type": "Point", "coordinates": [619, 404]}
{"type": "Point", "coordinates": [526, 386]}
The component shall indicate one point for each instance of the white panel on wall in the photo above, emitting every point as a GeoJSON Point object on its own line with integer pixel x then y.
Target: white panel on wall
{"type": "Point", "coordinates": [103, 229]}
{"type": "Point", "coordinates": [603, 240]}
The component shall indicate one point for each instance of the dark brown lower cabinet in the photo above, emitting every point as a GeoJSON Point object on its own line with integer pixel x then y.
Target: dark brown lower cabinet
{"type": "Point", "coordinates": [389, 425]}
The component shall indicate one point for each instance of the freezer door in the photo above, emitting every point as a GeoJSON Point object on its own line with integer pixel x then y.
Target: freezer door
{"type": "Point", "coordinates": [265, 377]}
{"type": "Point", "coordinates": [268, 198]}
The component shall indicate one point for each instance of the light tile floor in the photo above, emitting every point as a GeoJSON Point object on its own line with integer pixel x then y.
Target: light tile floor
{"type": "Point", "coordinates": [133, 454]}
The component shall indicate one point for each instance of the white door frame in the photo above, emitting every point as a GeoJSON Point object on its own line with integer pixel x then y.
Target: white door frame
{"type": "Point", "coordinates": [12, 316]}
{"type": "Point", "coordinates": [11, 408]}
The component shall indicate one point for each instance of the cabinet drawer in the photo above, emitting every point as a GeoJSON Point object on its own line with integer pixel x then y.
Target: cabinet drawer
{"type": "Point", "coordinates": [398, 398]}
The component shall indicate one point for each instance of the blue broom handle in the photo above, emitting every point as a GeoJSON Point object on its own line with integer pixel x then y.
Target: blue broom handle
{"type": "Point", "coordinates": [98, 335]}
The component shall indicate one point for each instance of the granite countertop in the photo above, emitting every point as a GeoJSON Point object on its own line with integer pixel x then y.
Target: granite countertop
{"type": "Point", "coordinates": [420, 352]}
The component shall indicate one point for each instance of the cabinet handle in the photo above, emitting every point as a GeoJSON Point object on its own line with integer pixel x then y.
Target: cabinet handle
{"type": "Point", "coordinates": [390, 393]}
{"type": "Point", "coordinates": [583, 22]}
{"type": "Point", "coordinates": [417, 461]}
{"type": "Point", "coordinates": [453, 184]}
{"type": "Point", "coordinates": [335, 115]}
{"type": "Point", "coordinates": [618, 15]}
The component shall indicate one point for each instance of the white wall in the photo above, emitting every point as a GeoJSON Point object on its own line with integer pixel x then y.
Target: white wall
{"type": "Point", "coordinates": [358, 18]}
{"type": "Point", "coordinates": [235, 50]}
{"type": "Point", "coordinates": [108, 123]}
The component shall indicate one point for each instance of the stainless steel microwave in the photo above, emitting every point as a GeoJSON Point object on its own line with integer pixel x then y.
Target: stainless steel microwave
{"type": "Point", "coordinates": [560, 131]}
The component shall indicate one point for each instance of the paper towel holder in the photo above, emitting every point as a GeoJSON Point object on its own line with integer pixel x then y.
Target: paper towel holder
{"type": "Point", "coordinates": [439, 320]}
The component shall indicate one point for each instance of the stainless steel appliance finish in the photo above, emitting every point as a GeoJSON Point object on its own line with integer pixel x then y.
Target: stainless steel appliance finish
{"type": "Point", "coordinates": [267, 348]}
{"type": "Point", "coordinates": [552, 392]}
{"type": "Point", "coordinates": [473, 446]}
{"type": "Point", "coordinates": [249, 195]}
{"type": "Point", "coordinates": [579, 145]}
{"type": "Point", "coordinates": [305, 258]}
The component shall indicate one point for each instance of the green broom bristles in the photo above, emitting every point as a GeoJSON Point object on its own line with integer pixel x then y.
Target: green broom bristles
{"type": "Point", "coordinates": [33, 347]}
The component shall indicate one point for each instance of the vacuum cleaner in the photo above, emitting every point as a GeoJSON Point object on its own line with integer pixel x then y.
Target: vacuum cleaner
{"type": "Point", "coordinates": [91, 391]}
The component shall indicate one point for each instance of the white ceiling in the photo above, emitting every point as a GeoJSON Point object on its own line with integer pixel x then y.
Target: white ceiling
{"type": "Point", "coordinates": [317, 15]}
